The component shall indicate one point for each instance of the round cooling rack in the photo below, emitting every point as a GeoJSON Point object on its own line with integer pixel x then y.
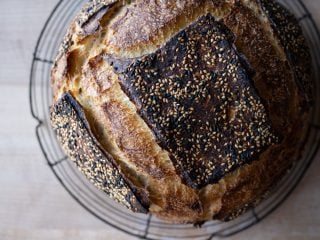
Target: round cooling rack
{"type": "Point", "coordinates": [94, 201]}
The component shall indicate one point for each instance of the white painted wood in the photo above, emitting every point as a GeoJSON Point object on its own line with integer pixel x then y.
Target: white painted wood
{"type": "Point", "coordinates": [32, 203]}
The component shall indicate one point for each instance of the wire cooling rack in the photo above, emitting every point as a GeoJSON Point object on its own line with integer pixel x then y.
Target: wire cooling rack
{"type": "Point", "coordinates": [94, 201]}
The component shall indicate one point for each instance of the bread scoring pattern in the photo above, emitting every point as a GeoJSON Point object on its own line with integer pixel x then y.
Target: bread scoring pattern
{"type": "Point", "coordinates": [153, 107]}
{"type": "Point", "coordinates": [197, 96]}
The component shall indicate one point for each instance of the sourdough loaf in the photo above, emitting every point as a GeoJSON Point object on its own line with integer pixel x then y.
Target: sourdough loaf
{"type": "Point", "coordinates": [190, 110]}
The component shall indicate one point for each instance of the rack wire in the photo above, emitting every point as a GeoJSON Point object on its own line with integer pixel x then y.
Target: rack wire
{"type": "Point", "coordinates": [103, 208]}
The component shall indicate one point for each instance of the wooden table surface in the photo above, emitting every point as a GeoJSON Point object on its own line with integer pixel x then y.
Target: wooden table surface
{"type": "Point", "coordinates": [34, 206]}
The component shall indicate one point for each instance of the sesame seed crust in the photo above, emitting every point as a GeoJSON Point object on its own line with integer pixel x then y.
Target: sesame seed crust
{"type": "Point", "coordinates": [287, 29]}
{"type": "Point", "coordinates": [131, 30]}
{"type": "Point", "coordinates": [73, 132]}
{"type": "Point", "coordinates": [201, 105]}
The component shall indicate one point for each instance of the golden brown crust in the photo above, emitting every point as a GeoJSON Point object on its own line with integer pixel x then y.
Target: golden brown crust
{"type": "Point", "coordinates": [139, 21]}
{"type": "Point", "coordinates": [73, 131]}
{"type": "Point", "coordinates": [144, 26]}
{"type": "Point", "coordinates": [122, 30]}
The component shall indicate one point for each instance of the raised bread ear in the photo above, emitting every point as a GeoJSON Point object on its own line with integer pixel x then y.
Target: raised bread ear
{"type": "Point", "coordinates": [73, 131]}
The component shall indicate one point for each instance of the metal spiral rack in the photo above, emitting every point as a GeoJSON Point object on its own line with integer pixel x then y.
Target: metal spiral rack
{"type": "Point", "coordinates": [94, 201]}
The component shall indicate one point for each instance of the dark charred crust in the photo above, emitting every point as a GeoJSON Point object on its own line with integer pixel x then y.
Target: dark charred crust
{"type": "Point", "coordinates": [227, 216]}
{"type": "Point", "coordinates": [92, 14]}
{"type": "Point", "coordinates": [119, 65]}
{"type": "Point", "coordinates": [74, 133]}
{"type": "Point", "coordinates": [92, 24]}
{"type": "Point", "coordinates": [287, 29]}
{"type": "Point", "coordinates": [270, 72]}
{"type": "Point", "coordinates": [88, 21]}
{"type": "Point", "coordinates": [201, 105]}
{"type": "Point", "coordinates": [92, 11]}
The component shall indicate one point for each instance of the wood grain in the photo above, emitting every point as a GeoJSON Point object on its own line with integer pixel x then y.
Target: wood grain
{"type": "Point", "coordinates": [34, 206]}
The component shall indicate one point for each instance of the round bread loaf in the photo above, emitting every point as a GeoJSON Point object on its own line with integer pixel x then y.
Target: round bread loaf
{"type": "Point", "coordinates": [190, 110]}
